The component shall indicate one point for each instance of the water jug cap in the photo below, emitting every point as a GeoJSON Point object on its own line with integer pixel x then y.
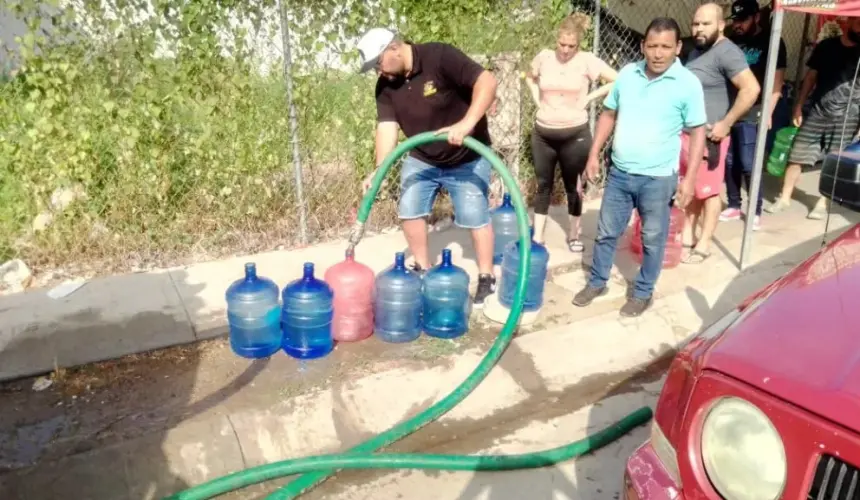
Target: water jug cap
{"type": "Point", "coordinates": [309, 270]}
{"type": "Point", "coordinates": [506, 199]}
{"type": "Point", "coordinates": [399, 260]}
{"type": "Point", "coordinates": [350, 254]}
{"type": "Point", "coordinates": [250, 270]}
{"type": "Point", "coordinates": [446, 256]}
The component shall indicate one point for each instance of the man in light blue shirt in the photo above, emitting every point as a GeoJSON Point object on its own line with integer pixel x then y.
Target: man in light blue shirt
{"type": "Point", "coordinates": [649, 105]}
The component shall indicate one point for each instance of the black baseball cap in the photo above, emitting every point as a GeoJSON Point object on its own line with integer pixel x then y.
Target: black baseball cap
{"type": "Point", "coordinates": [744, 9]}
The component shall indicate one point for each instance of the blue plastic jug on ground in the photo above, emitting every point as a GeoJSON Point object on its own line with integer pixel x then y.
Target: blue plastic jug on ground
{"type": "Point", "coordinates": [446, 300]}
{"type": "Point", "coordinates": [504, 222]}
{"type": "Point", "coordinates": [538, 266]}
{"type": "Point", "coordinates": [307, 316]}
{"type": "Point", "coordinates": [397, 308]}
{"type": "Point", "coordinates": [253, 315]}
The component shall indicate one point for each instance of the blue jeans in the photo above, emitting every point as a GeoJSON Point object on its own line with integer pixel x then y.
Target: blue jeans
{"type": "Point", "coordinates": [740, 161]}
{"type": "Point", "coordinates": [652, 197]}
{"type": "Point", "coordinates": [468, 185]}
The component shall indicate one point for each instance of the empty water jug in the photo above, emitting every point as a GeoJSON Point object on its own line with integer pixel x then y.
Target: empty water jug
{"type": "Point", "coordinates": [674, 245]}
{"type": "Point", "coordinates": [446, 300]}
{"type": "Point", "coordinates": [253, 315]}
{"type": "Point", "coordinates": [505, 229]}
{"type": "Point", "coordinates": [352, 284]}
{"type": "Point", "coordinates": [397, 308]}
{"type": "Point", "coordinates": [307, 315]}
{"type": "Point", "coordinates": [538, 265]}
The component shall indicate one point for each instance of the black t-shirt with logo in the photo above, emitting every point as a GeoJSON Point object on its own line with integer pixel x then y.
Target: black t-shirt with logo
{"type": "Point", "coordinates": [835, 64]}
{"type": "Point", "coordinates": [436, 94]}
{"type": "Point", "coordinates": [756, 48]}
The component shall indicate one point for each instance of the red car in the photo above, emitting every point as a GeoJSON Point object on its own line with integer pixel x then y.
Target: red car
{"type": "Point", "coordinates": [764, 404]}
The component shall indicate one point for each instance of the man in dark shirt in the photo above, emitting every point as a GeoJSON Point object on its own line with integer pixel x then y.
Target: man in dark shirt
{"type": "Point", "coordinates": [827, 85]}
{"type": "Point", "coordinates": [748, 35]}
{"type": "Point", "coordinates": [435, 87]}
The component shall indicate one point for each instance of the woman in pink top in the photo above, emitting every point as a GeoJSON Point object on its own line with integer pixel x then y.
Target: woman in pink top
{"type": "Point", "coordinates": [559, 81]}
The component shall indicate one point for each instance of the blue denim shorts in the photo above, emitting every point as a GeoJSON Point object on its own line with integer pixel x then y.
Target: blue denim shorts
{"type": "Point", "coordinates": [468, 185]}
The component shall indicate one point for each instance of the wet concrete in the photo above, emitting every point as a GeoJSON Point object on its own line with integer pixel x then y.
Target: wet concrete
{"type": "Point", "coordinates": [106, 403]}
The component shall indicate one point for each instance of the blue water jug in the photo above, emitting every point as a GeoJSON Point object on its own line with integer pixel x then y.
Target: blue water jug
{"type": "Point", "coordinates": [397, 308]}
{"type": "Point", "coordinates": [537, 274]}
{"type": "Point", "coordinates": [253, 315]}
{"type": "Point", "coordinates": [505, 231]}
{"type": "Point", "coordinates": [307, 316]}
{"type": "Point", "coordinates": [446, 300]}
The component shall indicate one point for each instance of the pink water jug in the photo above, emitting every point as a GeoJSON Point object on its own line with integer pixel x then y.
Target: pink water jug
{"type": "Point", "coordinates": [674, 246]}
{"type": "Point", "coordinates": [353, 285]}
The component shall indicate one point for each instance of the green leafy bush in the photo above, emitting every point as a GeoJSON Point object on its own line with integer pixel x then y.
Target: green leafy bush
{"type": "Point", "coordinates": [175, 142]}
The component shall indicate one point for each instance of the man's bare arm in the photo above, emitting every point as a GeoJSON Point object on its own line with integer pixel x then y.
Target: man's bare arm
{"type": "Point", "coordinates": [696, 152]}
{"type": "Point", "coordinates": [604, 128]}
{"type": "Point", "coordinates": [809, 81]}
{"type": "Point", "coordinates": [776, 92]}
{"type": "Point", "coordinates": [386, 139]}
{"type": "Point", "coordinates": [483, 95]}
{"type": "Point", "coordinates": [748, 92]}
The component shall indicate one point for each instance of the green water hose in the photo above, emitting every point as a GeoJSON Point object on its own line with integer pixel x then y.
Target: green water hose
{"type": "Point", "coordinates": [319, 468]}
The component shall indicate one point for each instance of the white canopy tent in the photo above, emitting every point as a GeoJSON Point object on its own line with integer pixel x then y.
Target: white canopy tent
{"type": "Point", "coordinates": [821, 7]}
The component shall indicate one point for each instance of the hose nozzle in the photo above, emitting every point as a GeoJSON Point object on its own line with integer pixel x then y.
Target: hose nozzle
{"type": "Point", "coordinates": [355, 236]}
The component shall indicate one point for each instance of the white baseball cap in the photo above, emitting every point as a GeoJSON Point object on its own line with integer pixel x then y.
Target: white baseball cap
{"type": "Point", "coordinates": [372, 45]}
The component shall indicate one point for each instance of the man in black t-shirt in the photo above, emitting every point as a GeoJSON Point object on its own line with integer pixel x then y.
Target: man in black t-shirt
{"type": "Point", "coordinates": [434, 87]}
{"type": "Point", "coordinates": [748, 35]}
{"type": "Point", "coordinates": [832, 120]}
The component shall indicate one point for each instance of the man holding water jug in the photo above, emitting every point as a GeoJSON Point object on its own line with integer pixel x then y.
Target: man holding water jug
{"type": "Point", "coordinates": [434, 87]}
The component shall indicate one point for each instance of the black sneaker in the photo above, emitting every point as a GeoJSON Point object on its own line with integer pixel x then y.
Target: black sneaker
{"type": "Point", "coordinates": [486, 287]}
{"type": "Point", "coordinates": [417, 269]}
{"type": "Point", "coordinates": [635, 307]}
{"type": "Point", "coordinates": [587, 295]}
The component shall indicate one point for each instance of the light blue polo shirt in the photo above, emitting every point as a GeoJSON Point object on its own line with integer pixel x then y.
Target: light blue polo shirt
{"type": "Point", "coordinates": [650, 115]}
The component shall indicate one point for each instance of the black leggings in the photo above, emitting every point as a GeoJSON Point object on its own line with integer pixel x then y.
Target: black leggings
{"type": "Point", "coordinates": [569, 147]}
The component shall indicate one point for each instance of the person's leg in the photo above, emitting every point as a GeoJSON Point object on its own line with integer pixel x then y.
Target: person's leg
{"type": "Point", "coordinates": [694, 208]}
{"type": "Point", "coordinates": [805, 150]}
{"type": "Point", "coordinates": [573, 154]}
{"type": "Point", "coordinates": [708, 184]}
{"type": "Point", "coordinates": [418, 187]}
{"type": "Point", "coordinates": [469, 187]}
{"type": "Point", "coordinates": [615, 212]}
{"type": "Point", "coordinates": [745, 145]}
{"type": "Point", "coordinates": [771, 137]}
{"type": "Point", "coordinates": [653, 201]}
{"type": "Point", "coordinates": [835, 140]}
{"type": "Point", "coordinates": [544, 157]}
{"type": "Point", "coordinates": [691, 222]}
{"type": "Point", "coordinates": [734, 178]}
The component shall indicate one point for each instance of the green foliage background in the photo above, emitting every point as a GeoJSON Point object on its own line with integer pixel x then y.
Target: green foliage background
{"type": "Point", "coordinates": [191, 153]}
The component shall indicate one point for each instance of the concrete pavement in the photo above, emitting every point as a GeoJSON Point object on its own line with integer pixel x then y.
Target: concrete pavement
{"type": "Point", "coordinates": [591, 349]}
{"type": "Point", "coordinates": [119, 315]}
{"type": "Point", "coordinates": [570, 355]}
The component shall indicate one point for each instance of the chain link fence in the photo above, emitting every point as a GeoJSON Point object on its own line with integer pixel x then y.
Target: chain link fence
{"type": "Point", "coordinates": [146, 133]}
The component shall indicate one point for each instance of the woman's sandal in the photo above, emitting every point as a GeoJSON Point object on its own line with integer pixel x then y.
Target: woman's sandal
{"type": "Point", "coordinates": [575, 246]}
{"type": "Point", "coordinates": [696, 257]}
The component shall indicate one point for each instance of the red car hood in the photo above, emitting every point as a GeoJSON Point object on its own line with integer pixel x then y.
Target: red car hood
{"type": "Point", "coordinates": [802, 342]}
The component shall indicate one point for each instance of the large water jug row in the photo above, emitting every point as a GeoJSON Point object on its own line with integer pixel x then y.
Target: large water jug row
{"type": "Point", "coordinates": [349, 304]}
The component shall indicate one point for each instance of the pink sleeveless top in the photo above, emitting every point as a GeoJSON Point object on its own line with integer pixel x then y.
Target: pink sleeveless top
{"type": "Point", "coordinates": [564, 86]}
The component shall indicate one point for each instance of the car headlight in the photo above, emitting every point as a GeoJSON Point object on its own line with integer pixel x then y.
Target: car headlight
{"type": "Point", "coordinates": [742, 451]}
